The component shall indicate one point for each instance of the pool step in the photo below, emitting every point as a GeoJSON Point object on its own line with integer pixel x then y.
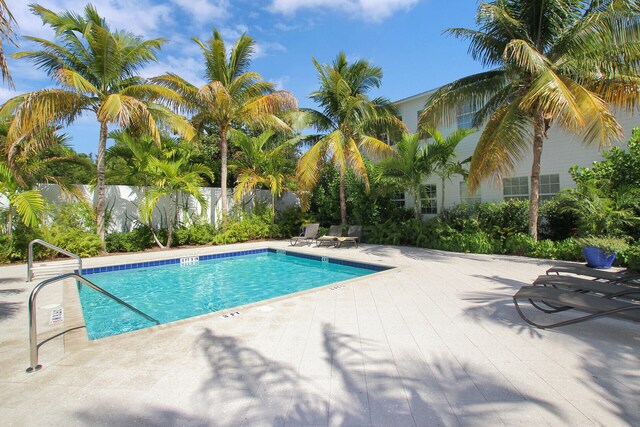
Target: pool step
{"type": "Point", "coordinates": [53, 268]}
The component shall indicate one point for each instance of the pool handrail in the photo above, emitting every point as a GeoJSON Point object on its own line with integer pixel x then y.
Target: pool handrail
{"type": "Point", "coordinates": [50, 246]}
{"type": "Point", "coordinates": [33, 333]}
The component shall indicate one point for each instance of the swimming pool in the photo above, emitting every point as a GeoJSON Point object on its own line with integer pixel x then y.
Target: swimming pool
{"type": "Point", "coordinates": [175, 289]}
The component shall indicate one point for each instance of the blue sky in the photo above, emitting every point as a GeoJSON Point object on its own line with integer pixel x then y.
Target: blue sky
{"type": "Point", "coordinates": [404, 37]}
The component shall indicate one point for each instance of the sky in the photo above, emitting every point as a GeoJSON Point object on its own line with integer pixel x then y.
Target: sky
{"type": "Point", "coordinates": [404, 37]}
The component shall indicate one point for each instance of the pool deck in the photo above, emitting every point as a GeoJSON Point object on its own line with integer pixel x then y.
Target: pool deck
{"type": "Point", "coordinates": [435, 341]}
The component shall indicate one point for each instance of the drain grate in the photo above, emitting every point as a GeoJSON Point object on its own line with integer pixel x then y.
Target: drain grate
{"type": "Point", "coordinates": [335, 288]}
{"type": "Point", "coordinates": [57, 316]}
{"type": "Point", "coordinates": [325, 259]}
{"type": "Point", "coordinates": [229, 315]}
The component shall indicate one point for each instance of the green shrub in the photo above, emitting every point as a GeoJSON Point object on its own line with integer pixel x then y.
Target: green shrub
{"type": "Point", "coordinates": [569, 250]}
{"type": "Point", "coordinates": [85, 244]}
{"type": "Point", "coordinates": [138, 239]}
{"type": "Point", "coordinates": [196, 234]}
{"type": "Point", "coordinates": [632, 255]}
{"type": "Point", "coordinates": [544, 249]}
{"type": "Point", "coordinates": [556, 221]}
{"type": "Point", "coordinates": [519, 244]}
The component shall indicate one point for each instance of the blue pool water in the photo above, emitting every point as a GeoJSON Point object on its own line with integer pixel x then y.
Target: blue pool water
{"type": "Point", "coordinates": [173, 291]}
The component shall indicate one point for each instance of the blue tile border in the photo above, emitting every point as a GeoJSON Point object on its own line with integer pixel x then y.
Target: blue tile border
{"type": "Point", "coordinates": [146, 264]}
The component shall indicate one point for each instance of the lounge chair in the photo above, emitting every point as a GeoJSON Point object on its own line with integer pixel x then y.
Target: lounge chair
{"type": "Point", "coordinates": [308, 235]}
{"type": "Point", "coordinates": [597, 306]}
{"type": "Point", "coordinates": [595, 274]}
{"type": "Point", "coordinates": [331, 237]}
{"type": "Point", "coordinates": [353, 236]}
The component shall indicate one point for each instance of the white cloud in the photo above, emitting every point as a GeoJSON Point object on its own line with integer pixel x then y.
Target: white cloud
{"type": "Point", "coordinates": [267, 49]}
{"type": "Point", "coordinates": [144, 17]}
{"type": "Point", "coordinates": [368, 10]}
{"type": "Point", "coordinates": [280, 82]}
{"type": "Point", "coordinates": [205, 10]}
{"type": "Point", "coordinates": [189, 68]}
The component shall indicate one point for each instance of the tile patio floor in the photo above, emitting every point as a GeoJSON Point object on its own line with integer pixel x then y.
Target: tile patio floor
{"type": "Point", "coordinates": [434, 342]}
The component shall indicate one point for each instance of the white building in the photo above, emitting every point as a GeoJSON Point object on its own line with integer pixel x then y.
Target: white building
{"type": "Point", "coordinates": [560, 152]}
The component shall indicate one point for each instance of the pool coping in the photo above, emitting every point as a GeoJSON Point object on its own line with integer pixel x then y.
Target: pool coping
{"type": "Point", "coordinates": [76, 337]}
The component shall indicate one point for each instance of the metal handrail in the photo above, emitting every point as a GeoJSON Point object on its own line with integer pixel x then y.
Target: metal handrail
{"type": "Point", "coordinates": [50, 246]}
{"type": "Point", "coordinates": [33, 333]}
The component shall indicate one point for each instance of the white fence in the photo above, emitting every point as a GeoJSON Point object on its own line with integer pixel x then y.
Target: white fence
{"type": "Point", "coordinates": [123, 201]}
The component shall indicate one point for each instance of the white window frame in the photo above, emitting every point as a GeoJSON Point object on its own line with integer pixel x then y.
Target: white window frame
{"type": "Point", "coordinates": [399, 202]}
{"type": "Point", "coordinates": [516, 187]}
{"type": "Point", "coordinates": [429, 199]}
{"type": "Point", "coordinates": [464, 118]}
{"type": "Point", "coordinates": [468, 198]}
{"type": "Point", "coordinates": [546, 190]}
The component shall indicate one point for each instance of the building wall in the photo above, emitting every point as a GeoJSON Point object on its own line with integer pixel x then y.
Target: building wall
{"type": "Point", "coordinates": [560, 152]}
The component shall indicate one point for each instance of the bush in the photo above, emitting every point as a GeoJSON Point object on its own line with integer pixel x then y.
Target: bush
{"type": "Point", "coordinates": [544, 249]}
{"type": "Point", "coordinates": [556, 221]}
{"type": "Point", "coordinates": [569, 250]}
{"type": "Point", "coordinates": [74, 229]}
{"type": "Point", "coordinates": [196, 234]}
{"type": "Point", "coordinates": [138, 239]}
{"type": "Point", "coordinates": [519, 244]}
{"type": "Point", "coordinates": [503, 219]}
{"type": "Point", "coordinates": [632, 255]}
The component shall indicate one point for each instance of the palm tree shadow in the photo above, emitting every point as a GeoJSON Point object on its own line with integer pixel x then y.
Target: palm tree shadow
{"type": "Point", "coordinates": [8, 309]}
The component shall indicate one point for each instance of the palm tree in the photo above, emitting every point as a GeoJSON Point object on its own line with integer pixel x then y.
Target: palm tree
{"type": "Point", "coordinates": [350, 119]}
{"type": "Point", "coordinates": [172, 174]}
{"type": "Point", "coordinates": [96, 68]}
{"type": "Point", "coordinates": [233, 96]}
{"type": "Point", "coordinates": [443, 152]}
{"type": "Point", "coordinates": [407, 169]}
{"type": "Point", "coordinates": [6, 33]}
{"type": "Point", "coordinates": [264, 161]}
{"type": "Point", "coordinates": [133, 154]}
{"type": "Point", "coordinates": [557, 62]}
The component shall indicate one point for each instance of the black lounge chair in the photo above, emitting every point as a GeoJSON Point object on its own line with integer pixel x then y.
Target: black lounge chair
{"type": "Point", "coordinates": [593, 273]}
{"type": "Point", "coordinates": [353, 236]}
{"type": "Point", "coordinates": [308, 235]}
{"type": "Point", "coordinates": [335, 231]}
{"type": "Point", "coordinates": [597, 306]}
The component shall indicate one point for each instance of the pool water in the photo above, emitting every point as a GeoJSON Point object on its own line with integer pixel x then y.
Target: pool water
{"type": "Point", "coordinates": [172, 292]}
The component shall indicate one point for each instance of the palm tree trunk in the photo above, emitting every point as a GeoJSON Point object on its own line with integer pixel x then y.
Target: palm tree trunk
{"type": "Point", "coordinates": [171, 218]}
{"type": "Point", "coordinates": [417, 205]}
{"type": "Point", "coordinates": [223, 170]}
{"type": "Point", "coordinates": [534, 196]}
{"type": "Point", "coordinates": [343, 200]}
{"type": "Point", "coordinates": [10, 221]}
{"type": "Point", "coordinates": [100, 181]}
{"type": "Point", "coordinates": [442, 199]}
{"type": "Point", "coordinates": [273, 207]}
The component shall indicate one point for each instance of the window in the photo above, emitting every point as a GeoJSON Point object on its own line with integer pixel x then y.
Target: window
{"type": "Point", "coordinates": [515, 188]}
{"type": "Point", "coordinates": [465, 116]}
{"type": "Point", "coordinates": [549, 186]}
{"type": "Point", "coordinates": [468, 198]}
{"type": "Point", "coordinates": [397, 199]}
{"type": "Point", "coordinates": [429, 200]}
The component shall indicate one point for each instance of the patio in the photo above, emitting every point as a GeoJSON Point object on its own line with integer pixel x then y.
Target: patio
{"type": "Point", "coordinates": [434, 342]}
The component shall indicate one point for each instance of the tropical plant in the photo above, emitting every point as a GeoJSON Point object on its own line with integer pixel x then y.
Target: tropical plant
{"type": "Point", "coordinates": [129, 158]}
{"type": "Point", "coordinates": [233, 97]}
{"type": "Point", "coordinates": [6, 33]}
{"type": "Point", "coordinates": [443, 152]}
{"type": "Point", "coordinates": [171, 175]}
{"type": "Point", "coordinates": [96, 68]}
{"type": "Point", "coordinates": [264, 161]}
{"type": "Point", "coordinates": [557, 62]}
{"type": "Point", "coordinates": [29, 204]}
{"type": "Point", "coordinates": [601, 211]}
{"type": "Point", "coordinates": [407, 169]}
{"type": "Point", "coordinates": [352, 122]}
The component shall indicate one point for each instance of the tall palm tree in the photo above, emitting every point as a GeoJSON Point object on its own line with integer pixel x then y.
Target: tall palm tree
{"type": "Point", "coordinates": [6, 33]}
{"type": "Point", "coordinates": [443, 152]}
{"type": "Point", "coordinates": [407, 169]}
{"type": "Point", "coordinates": [352, 122]}
{"type": "Point", "coordinates": [558, 62]}
{"type": "Point", "coordinates": [96, 69]}
{"type": "Point", "coordinates": [264, 161]}
{"type": "Point", "coordinates": [233, 96]}
{"type": "Point", "coordinates": [170, 175]}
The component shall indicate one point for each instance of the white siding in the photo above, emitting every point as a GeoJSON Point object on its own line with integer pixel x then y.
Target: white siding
{"type": "Point", "coordinates": [560, 152]}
